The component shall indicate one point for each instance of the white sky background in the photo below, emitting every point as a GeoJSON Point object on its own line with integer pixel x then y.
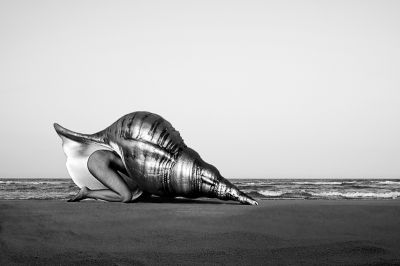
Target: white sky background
{"type": "Point", "coordinates": [259, 88]}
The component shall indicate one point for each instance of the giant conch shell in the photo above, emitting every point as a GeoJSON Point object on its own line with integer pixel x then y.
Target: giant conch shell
{"type": "Point", "coordinates": [155, 156]}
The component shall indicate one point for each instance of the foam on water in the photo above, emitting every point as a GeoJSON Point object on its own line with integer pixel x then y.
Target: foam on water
{"type": "Point", "coordinates": [388, 182]}
{"type": "Point", "coordinates": [359, 195]}
{"type": "Point", "coordinates": [269, 193]}
{"type": "Point", "coordinates": [317, 183]}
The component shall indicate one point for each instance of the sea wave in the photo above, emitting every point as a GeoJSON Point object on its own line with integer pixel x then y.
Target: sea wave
{"type": "Point", "coordinates": [9, 182]}
{"type": "Point", "coordinates": [357, 195]}
{"type": "Point", "coordinates": [325, 194]}
{"type": "Point", "coordinates": [269, 193]}
{"type": "Point", "coordinates": [388, 182]}
{"type": "Point", "coordinates": [319, 183]}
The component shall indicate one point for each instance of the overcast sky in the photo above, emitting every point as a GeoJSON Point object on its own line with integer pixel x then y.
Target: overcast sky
{"type": "Point", "coordinates": [261, 89]}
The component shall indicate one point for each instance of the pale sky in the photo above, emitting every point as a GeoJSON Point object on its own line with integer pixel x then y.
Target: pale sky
{"type": "Point", "coordinates": [261, 89]}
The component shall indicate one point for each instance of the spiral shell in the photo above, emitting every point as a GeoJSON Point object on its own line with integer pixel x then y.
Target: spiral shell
{"type": "Point", "coordinates": [155, 157]}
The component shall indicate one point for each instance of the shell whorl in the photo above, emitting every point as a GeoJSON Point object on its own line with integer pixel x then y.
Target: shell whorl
{"type": "Point", "coordinates": [149, 128]}
{"type": "Point", "coordinates": [150, 147]}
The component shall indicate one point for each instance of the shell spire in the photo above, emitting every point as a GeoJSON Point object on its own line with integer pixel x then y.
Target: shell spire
{"type": "Point", "coordinates": [227, 191]}
{"type": "Point", "coordinates": [216, 186]}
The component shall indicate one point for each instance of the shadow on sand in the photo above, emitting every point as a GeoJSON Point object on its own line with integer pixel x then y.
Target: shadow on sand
{"type": "Point", "coordinates": [156, 199]}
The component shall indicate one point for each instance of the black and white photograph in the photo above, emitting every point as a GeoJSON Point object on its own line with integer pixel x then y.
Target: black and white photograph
{"type": "Point", "coordinates": [174, 132]}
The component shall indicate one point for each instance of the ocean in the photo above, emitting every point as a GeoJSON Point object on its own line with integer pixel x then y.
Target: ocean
{"type": "Point", "coordinates": [263, 189]}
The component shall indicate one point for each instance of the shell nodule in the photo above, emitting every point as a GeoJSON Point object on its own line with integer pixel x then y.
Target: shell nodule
{"type": "Point", "coordinates": [155, 157]}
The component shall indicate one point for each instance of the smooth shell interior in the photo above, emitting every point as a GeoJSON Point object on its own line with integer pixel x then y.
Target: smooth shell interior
{"type": "Point", "coordinates": [78, 154]}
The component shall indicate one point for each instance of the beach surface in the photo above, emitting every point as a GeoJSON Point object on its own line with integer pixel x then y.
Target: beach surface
{"type": "Point", "coordinates": [199, 232]}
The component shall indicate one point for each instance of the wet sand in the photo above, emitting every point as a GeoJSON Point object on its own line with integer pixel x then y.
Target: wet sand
{"type": "Point", "coordinates": [281, 232]}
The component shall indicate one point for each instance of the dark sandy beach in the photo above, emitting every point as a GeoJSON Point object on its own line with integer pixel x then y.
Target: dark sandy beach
{"type": "Point", "coordinates": [44, 232]}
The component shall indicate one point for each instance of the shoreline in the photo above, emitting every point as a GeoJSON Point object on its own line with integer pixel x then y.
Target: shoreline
{"type": "Point", "coordinates": [202, 231]}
